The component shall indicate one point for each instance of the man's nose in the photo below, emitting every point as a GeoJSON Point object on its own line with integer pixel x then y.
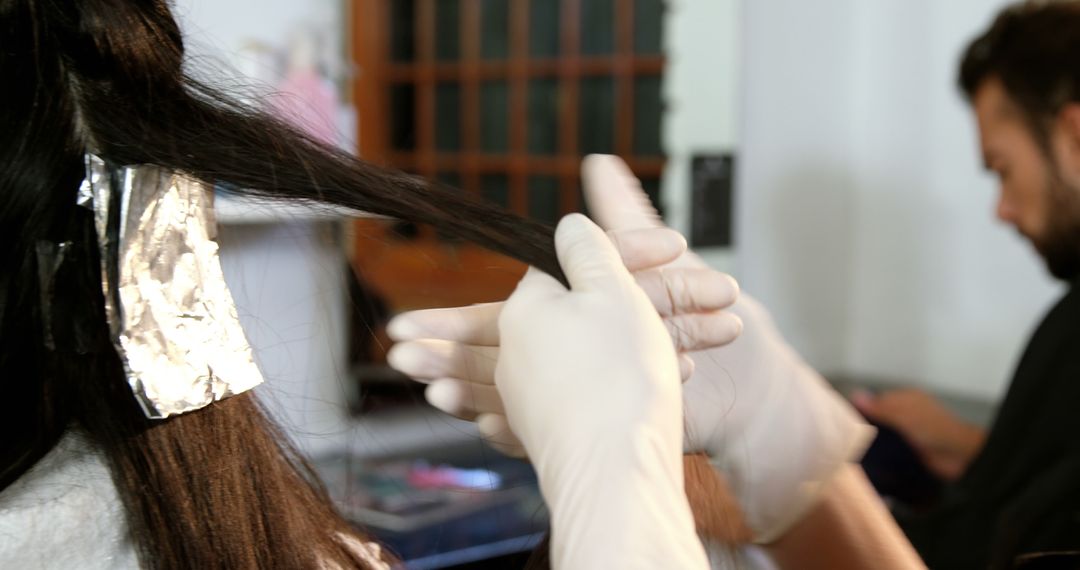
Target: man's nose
{"type": "Point", "coordinates": [1005, 210]}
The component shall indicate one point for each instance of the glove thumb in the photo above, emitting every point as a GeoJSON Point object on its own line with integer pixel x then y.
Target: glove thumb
{"type": "Point", "coordinates": [588, 258]}
{"type": "Point", "coordinates": [614, 196]}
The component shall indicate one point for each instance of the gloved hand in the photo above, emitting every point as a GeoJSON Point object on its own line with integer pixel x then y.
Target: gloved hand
{"type": "Point", "coordinates": [590, 383]}
{"type": "Point", "coordinates": [768, 421]}
{"type": "Point", "coordinates": [455, 349]}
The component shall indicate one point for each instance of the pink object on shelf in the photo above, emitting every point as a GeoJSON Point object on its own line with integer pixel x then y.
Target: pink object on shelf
{"type": "Point", "coordinates": [423, 476]}
{"type": "Point", "coordinates": [309, 102]}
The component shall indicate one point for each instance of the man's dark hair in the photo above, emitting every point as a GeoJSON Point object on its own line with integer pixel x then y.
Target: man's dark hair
{"type": "Point", "coordinates": [1034, 49]}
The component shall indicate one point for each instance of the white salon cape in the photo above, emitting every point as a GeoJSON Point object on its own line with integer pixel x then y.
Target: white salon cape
{"type": "Point", "coordinates": [65, 513]}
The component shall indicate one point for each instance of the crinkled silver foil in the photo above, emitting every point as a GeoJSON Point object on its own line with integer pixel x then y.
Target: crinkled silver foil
{"type": "Point", "coordinates": [172, 317]}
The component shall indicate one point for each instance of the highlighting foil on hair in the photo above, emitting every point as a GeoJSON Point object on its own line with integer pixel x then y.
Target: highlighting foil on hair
{"type": "Point", "coordinates": [172, 318]}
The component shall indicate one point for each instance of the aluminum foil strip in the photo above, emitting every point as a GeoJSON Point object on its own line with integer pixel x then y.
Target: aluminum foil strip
{"type": "Point", "coordinates": [170, 312]}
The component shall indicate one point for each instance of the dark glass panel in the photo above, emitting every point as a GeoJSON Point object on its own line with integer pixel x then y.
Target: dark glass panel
{"type": "Point", "coordinates": [651, 186]}
{"type": "Point", "coordinates": [495, 188]}
{"type": "Point", "coordinates": [403, 116]}
{"type": "Point", "coordinates": [448, 117]}
{"type": "Point", "coordinates": [597, 27]}
{"type": "Point", "coordinates": [494, 116]}
{"type": "Point", "coordinates": [596, 126]}
{"type": "Point", "coordinates": [648, 26]}
{"type": "Point", "coordinates": [495, 29]}
{"type": "Point", "coordinates": [544, 28]}
{"type": "Point", "coordinates": [543, 116]}
{"type": "Point", "coordinates": [544, 199]}
{"type": "Point", "coordinates": [648, 114]}
{"type": "Point", "coordinates": [447, 30]}
{"type": "Point", "coordinates": [402, 32]}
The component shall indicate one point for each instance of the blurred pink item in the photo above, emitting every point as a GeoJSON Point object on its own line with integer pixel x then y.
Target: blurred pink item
{"type": "Point", "coordinates": [309, 102]}
{"type": "Point", "coordinates": [423, 476]}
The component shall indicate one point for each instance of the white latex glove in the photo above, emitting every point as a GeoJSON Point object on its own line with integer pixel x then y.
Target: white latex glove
{"type": "Point", "coordinates": [768, 421]}
{"type": "Point", "coordinates": [590, 383]}
{"type": "Point", "coordinates": [454, 350]}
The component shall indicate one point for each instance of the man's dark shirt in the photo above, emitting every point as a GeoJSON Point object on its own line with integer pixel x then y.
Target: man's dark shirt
{"type": "Point", "coordinates": [1021, 494]}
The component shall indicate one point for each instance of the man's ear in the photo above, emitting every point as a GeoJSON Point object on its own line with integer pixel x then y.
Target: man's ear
{"type": "Point", "coordinates": [1066, 141]}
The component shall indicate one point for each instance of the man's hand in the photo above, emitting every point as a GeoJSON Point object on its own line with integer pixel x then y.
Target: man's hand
{"type": "Point", "coordinates": [946, 444]}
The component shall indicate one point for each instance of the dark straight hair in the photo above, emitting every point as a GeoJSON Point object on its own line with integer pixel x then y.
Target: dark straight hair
{"type": "Point", "coordinates": [220, 487]}
{"type": "Point", "coordinates": [216, 488]}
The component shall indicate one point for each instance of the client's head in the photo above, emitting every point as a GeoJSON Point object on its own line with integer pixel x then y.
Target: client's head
{"type": "Point", "coordinates": [216, 487]}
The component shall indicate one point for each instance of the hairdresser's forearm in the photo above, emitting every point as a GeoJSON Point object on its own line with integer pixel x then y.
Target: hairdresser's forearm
{"type": "Point", "coordinates": [849, 529]}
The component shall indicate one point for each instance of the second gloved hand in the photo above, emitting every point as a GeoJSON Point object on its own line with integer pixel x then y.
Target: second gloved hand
{"type": "Point", "coordinates": [590, 383]}
{"type": "Point", "coordinates": [768, 421]}
{"type": "Point", "coordinates": [454, 350]}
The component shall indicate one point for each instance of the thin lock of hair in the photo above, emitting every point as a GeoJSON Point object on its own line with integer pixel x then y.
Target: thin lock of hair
{"type": "Point", "coordinates": [139, 106]}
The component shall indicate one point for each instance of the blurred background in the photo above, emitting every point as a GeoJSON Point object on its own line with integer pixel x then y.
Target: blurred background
{"type": "Point", "coordinates": [818, 151]}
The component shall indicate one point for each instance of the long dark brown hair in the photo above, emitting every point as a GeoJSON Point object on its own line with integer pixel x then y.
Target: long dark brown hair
{"type": "Point", "coordinates": [216, 488]}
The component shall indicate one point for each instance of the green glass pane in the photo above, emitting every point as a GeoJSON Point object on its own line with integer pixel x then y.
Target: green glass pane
{"type": "Point", "coordinates": [495, 188]}
{"type": "Point", "coordinates": [648, 26]}
{"type": "Point", "coordinates": [596, 127]}
{"type": "Point", "coordinates": [648, 113]}
{"type": "Point", "coordinates": [542, 130]}
{"type": "Point", "coordinates": [495, 29]}
{"type": "Point", "coordinates": [402, 38]}
{"type": "Point", "coordinates": [544, 199]}
{"type": "Point", "coordinates": [448, 117]}
{"type": "Point", "coordinates": [403, 116]}
{"type": "Point", "coordinates": [451, 179]}
{"type": "Point", "coordinates": [447, 30]}
{"type": "Point", "coordinates": [494, 116]}
{"type": "Point", "coordinates": [581, 201]}
{"type": "Point", "coordinates": [651, 186]}
{"type": "Point", "coordinates": [544, 28]}
{"type": "Point", "coordinates": [597, 27]}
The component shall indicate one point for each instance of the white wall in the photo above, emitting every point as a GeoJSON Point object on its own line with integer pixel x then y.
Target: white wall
{"type": "Point", "coordinates": [222, 29]}
{"type": "Point", "coordinates": [865, 223]}
{"type": "Point", "coordinates": [700, 89]}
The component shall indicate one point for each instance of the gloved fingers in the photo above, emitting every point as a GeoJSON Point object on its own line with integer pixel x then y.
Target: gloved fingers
{"type": "Point", "coordinates": [465, 400]}
{"type": "Point", "coordinates": [701, 331]}
{"type": "Point", "coordinates": [616, 201]}
{"type": "Point", "coordinates": [676, 291]}
{"type": "Point", "coordinates": [587, 256]}
{"type": "Point", "coordinates": [686, 367]}
{"type": "Point", "coordinates": [430, 359]}
{"type": "Point", "coordinates": [495, 430]}
{"type": "Point", "coordinates": [647, 248]}
{"type": "Point", "coordinates": [614, 196]}
{"type": "Point", "coordinates": [535, 287]}
{"type": "Point", "coordinates": [476, 325]}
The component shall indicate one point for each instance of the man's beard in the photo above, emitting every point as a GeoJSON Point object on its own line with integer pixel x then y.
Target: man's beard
{"type": "Point", "coordinates": [1060, 246]}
